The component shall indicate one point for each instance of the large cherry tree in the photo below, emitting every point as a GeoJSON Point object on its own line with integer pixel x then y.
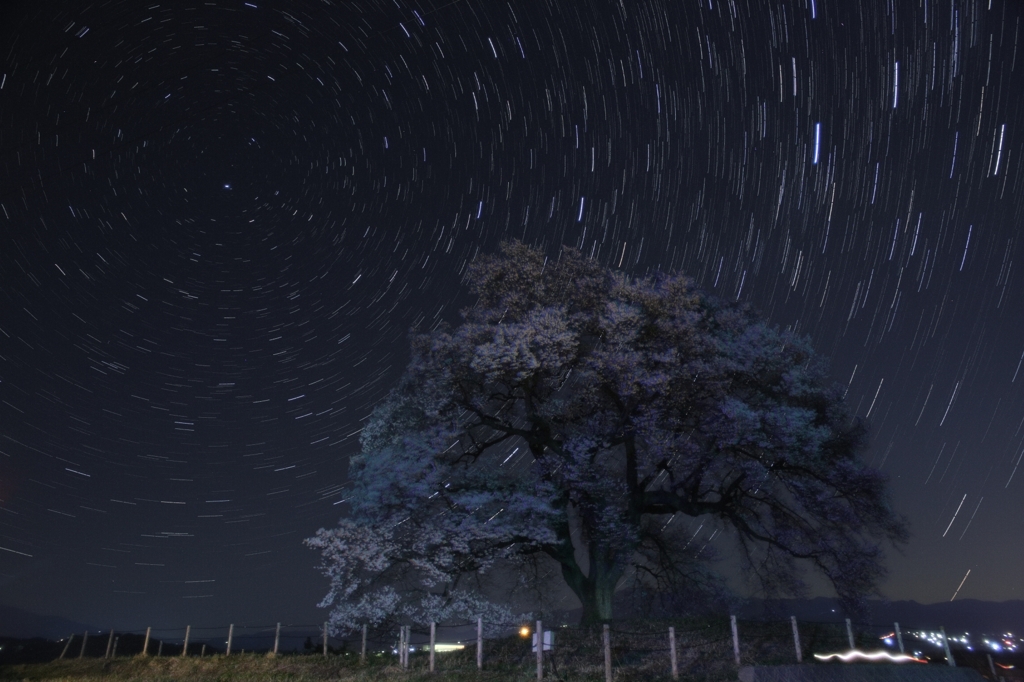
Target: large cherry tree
{"type": "Point", "coordinates": [580, 416]}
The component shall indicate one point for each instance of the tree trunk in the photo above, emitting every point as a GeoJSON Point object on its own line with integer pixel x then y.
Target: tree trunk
{"type": "Point", "coordinates": [597, 603]}
{"type": "Point", "coordinates": [594, 591]}
{"type": "Point", "coordinates": [596, 587]}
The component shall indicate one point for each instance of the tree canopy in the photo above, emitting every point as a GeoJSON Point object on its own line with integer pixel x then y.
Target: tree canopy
{"type": "Point", "coordinates": [571, 417]}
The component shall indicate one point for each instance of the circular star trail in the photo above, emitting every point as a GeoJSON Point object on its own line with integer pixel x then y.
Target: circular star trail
{"type": "Point", "coordinates": [221, 219]}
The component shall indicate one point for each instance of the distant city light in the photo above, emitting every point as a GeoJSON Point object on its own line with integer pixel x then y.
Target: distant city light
{"type": "Point", "coordinates": [1005, 643]}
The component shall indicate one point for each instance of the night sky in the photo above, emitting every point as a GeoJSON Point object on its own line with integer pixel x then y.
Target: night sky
{"type": "Point", "coordinates": [220, 220]}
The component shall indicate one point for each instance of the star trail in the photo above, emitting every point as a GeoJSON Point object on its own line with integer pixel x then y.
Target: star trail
{"type": "Point", "coordinates": [220, 220]}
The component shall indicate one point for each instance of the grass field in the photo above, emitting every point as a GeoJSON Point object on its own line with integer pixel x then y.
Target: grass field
{"type": "Point", "coordinates": [263, 668]}
{"type": "Point", "coordinates": [569, 666]}
{"type": "Point", "coordinates": [235, 668]}
{"type": "Point", "coordinates": [639, 652]}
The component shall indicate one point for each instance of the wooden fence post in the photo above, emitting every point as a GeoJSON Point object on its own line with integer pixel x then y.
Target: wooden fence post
{"type": "Point", "coordinates": [479, 643]}
{"type": "Point", "coordinates": [70, 637]}
{"type": "Point", "coordinates": [362, 651]}
{"type": "Point", "coordinates": [160, 648]}
{"type": "Point", "coordinates": [540, 650]}
{"type": "Point", "coordinates": [113, 654]}
{"type": "Point", "coordinates": [85, 638]}
{"type": "Point", "coordinates": [145, 645]}
{"type": "Point", "coordinates": [404, 653]}
{"type": "Point", "coordinates": [735, 640]}
{"type": "Point", "coordinates": [849, 633]}
{"type": "Point", "coordinates": [231, 636]}
{"type": "Point", "coordinates": [945, 643]}
{"type": "Point", "coordinates": [672, 652]}
{"type": "Point", "coordinates": [402, 646]}
{"type": "Point", "coordinates": [408, 645]}
{"type": "Point", "coordinates": [433, 631]}
{"type": "Point", "coordinates": [184, 647]}
{"type": "Point", "coordinates": [899, 638]}
{"type": "Point", "coordinates": [277, 638]}
{"type": "Point", "coordinates": [607, 653]}
{"type": "Point", "coordinates": [796, 640]}
{"type": "Point", "coordinates": [202, 652]}
{"type": "Point", "coordinates": [110, 643]}
{"type": "Point", "coordinates": [325, 639]}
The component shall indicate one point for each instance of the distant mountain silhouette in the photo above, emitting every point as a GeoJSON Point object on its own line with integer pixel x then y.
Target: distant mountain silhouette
{"type": "Point", "coordinates": [970, 615]}
{"type": "Point", "coordinates": [966, 615]}
{"type": "Point", "coordinates": [23, 624]}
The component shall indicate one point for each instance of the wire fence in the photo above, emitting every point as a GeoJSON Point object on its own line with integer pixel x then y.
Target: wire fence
{"type": "Point", "coordinates": [202, 641]}
{"type": "Point", "coordinates": [698, 648]}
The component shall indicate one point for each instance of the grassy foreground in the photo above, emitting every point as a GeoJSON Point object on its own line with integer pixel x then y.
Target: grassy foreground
{"type": "Point", "coordinates": [704, 655]}
{"type": "Point", "coordinates": [266, 668]}
{"type": "Point", "coordinates": [234, 668]}
{"type": "Point", "coordinates": [639, 653]}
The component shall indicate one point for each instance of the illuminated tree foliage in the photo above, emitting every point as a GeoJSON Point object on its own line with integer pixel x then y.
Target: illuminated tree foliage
{"type": "Point", "coordinates": [573, 415]}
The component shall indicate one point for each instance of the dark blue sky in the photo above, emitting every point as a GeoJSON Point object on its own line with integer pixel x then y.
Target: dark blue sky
{"type": "Point", "coordinates": [220, 219]}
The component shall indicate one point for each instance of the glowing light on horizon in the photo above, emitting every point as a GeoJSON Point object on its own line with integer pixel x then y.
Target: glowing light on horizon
{"type": "Point", "coordinates": [441, 648]}
{"type": "Point", "coordinates": [857, 655]}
